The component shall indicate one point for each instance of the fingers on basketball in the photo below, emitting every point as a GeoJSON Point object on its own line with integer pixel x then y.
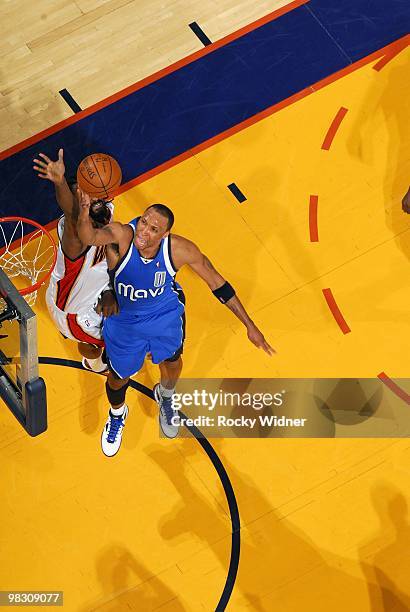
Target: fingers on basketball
{"type": "Point", "coordinates": [99, 175]}
{"type": "Point", "coordinates": [83, 197]}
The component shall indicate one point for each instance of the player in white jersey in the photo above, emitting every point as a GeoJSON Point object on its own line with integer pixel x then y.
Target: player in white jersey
{"type": "Point", "coordinates": [79, 293]}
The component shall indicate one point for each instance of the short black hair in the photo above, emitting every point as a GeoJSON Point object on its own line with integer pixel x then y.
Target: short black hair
{"type": "Point", "coordinates": [165, 212]}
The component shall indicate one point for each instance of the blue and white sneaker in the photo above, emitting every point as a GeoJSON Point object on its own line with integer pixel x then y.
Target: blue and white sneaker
{"type": "Point", "coordinates": [112, 433]}
{"type": "Point", "coordinates": [168, 417]}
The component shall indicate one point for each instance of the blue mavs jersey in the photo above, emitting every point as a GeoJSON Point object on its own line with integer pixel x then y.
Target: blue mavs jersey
{"type": "Point", "coordinates": [146, 287]}
{"type": "Point", "coordinates": [151, 316]}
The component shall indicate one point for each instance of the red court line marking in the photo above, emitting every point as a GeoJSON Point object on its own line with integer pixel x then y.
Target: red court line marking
{"type": "Point", "coordinates": [154, 77]}
{"type": "Point", "coordinates": [208, 143]}
{"type": "Point", "coordinates": [334, 126]}
{"type": "Point", "coordinates": [334, 308]}
{"type": "Point", "coordinates": [214, 140]}
{"type": "Point", "coordinates": [251, 121]}
{"type": "Point", "coordinates": [313, 229]}
{"type": "Point", "coordinates": [401, 393]}
{"type": "Point", "coordinates": [395, 49]}
{"type": "Point", "coordinates": [269, 111]}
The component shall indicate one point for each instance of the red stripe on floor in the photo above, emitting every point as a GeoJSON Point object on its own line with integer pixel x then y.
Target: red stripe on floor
{"type": "Point", "coordinates": [208, 143]}
{"type": "Point", "coordinates": [334, 126]}
{"type": "Point", "coordinates": [394, 387]}
{"type": "Point", "coordinates": [313, 228]}
{"type": "Point", "coordinates": [394, 50]}
{"type": "Point", "coordinates": [252, 120]}
{"type": "Point", "coordinates": [153, 77]}
{"type": "Point", "coordinates": [334, 308]}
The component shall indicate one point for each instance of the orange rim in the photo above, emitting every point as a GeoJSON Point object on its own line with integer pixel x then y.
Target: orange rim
{"type": "Point", "coordinates": [26, 238]}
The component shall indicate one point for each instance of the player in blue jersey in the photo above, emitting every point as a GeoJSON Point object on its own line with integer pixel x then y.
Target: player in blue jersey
{"type": "Point", "coordinates": [151, 308]}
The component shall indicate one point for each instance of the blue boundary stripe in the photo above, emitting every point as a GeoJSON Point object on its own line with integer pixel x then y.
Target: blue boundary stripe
{"type": "Point", "coordinates": [208, 96]}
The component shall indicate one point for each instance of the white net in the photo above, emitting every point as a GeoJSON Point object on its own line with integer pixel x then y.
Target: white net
{"type": "Point", "coordinates": [26, 256]}
{"type": "Point", "coordinates": [3, 305]}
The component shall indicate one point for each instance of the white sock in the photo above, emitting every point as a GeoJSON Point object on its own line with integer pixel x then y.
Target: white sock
{"type": "Point", "coordinates": [97, 365]}
{"type": "Point", "coordinates": [117, 411]}
{"type": "Point", "coordinates": [166, 392]}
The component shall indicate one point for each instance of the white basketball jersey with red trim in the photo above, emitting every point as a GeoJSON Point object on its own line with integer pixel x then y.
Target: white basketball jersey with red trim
{"type": "Point", "coordinates": [76, 284]}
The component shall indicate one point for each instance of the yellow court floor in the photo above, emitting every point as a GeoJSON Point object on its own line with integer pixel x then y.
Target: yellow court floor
{"type": "Point", "coordinates": [325, 522]}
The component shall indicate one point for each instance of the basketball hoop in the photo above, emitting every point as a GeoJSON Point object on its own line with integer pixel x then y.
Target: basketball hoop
{"type": "Point", "coordinates": [28, 254]}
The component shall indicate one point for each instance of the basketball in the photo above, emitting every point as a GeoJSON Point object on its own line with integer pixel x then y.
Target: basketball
{"type": "Point", "coordinates": [99, 175]}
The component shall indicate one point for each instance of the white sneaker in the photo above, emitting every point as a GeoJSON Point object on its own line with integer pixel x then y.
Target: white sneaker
{"type": "Point", "coordinates": [112, 433]}
{"type": "Point", "coordinates": [168, 417]}
{"type": "Point", "coordinates": [87, 366]}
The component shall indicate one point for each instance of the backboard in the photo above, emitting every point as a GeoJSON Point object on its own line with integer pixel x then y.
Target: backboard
{"type": "Point", "coordinates": [21, 388]}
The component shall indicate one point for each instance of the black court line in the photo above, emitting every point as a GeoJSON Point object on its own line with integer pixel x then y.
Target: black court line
{"type": "Point", "coordinates": [234, 189]}
{"type": "Point", "coordinates": [198, 31]}
{"type": "Point", "coordinates": [76, 108]}
{"type": "Point", "coordinates": [233, 510]}
{"type": "Point", "coordinates": [218, 465]}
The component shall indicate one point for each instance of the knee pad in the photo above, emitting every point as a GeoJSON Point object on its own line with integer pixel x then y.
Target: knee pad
{"type": "Point", "coordinates": [116, 397]}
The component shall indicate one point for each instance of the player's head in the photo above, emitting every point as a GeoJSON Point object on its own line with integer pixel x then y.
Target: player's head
{"type": "Point", "coordinates": [164, 212]}
{"type": "Point", "coordinates": [154, 224]}
{"type": "Point", "coordinates": [100, 209]}
{"type": "Point", "coordinates": [100, 212]}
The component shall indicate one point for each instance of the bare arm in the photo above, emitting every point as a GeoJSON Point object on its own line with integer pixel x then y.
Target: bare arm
{"type": "Point", "coordinates": [54, 171]}
{"type": "Point", "coordinates": [188, 253]}
{"type": "Point", "coordinates": [113, 233]}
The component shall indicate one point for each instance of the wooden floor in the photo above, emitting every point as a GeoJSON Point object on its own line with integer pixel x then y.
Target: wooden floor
{"type": "Point", "coordinates": [94, 48]}
{"type": "Point", "coordinates": [324, 521]}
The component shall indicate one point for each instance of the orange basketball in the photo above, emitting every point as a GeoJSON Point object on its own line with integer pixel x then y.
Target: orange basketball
{"type": "Point", "coordinates": [99, 175]}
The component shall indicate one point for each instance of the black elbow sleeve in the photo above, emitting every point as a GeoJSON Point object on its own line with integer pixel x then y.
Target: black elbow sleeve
{"type": "Point", "coordinates": [224, 293]}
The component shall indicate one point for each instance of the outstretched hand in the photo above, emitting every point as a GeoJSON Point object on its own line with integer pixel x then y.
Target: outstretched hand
{"type": "Point", "coordinates": [52, 170]}
{"type": "Point", "coordinates": [258, 339]}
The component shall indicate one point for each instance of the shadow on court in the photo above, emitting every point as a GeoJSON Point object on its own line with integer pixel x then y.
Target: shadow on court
{"type": "Point", "coordinates": [280, 567]}
{"type": "Point", "coordinates": [387, 567]}
{"type": "Point", "coordinates": [127, 584]}
{"type": "Point", "coordinates": [387, 103]}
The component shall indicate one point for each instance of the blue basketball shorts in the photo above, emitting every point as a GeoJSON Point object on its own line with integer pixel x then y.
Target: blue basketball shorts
{"type": "Point", "coordinates": [128, 339]}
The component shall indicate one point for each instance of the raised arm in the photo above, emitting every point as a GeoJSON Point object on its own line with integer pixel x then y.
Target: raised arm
{"type": "Point", "coordinates": [186, 252]}
{"type": "Point", "coordinates": [54, 171]}
{"type": "Point", "coordinates": [113, 233]}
